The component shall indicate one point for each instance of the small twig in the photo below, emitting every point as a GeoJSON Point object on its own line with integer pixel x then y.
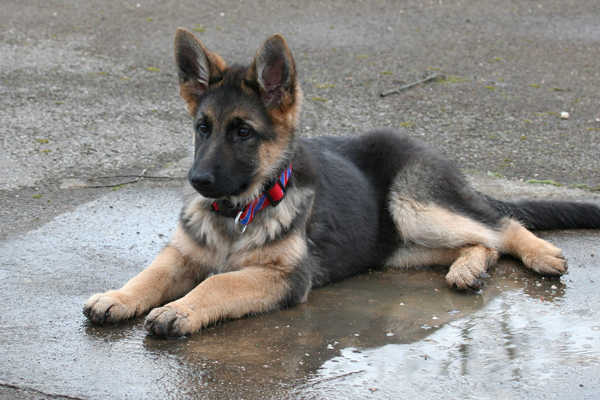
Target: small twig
{"type": "Point", "coordinates": [398, 90]}
{"type": "Point", "coordinates": [335, 377]}
{"type": "Point", "coordinates": [138, 177]}
{"type": "Point", "coordinates": [134, 176]}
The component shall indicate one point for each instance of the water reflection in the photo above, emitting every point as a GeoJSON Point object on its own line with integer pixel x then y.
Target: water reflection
{"type": "Point", "coordinates": [511, 346]}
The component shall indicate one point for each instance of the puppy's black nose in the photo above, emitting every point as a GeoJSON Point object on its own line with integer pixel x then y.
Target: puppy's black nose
{"type": "Point", "coordinates": [202, 181]}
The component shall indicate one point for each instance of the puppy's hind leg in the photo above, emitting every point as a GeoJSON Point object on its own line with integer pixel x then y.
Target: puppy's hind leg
{"type": "Point", "coordinates": [468, 264]}
{"type": "Point", "coordinates": [537, 254]}
{"type": "Point", "coordinates": [468, 245]}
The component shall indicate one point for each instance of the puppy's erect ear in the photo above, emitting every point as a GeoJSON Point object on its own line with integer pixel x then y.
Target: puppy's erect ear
{"type": "Point", "coordinates": [274, 72]}
{"type": "Point", "coordinates": [198, 68]}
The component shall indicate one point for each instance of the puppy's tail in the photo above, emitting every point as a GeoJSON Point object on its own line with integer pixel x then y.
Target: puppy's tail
{"type": "Point", "coordinates": [540, 214]}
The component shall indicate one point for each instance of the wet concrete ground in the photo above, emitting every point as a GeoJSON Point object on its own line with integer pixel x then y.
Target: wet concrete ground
{"type": "Point", "coordinates": [383, 334]}
{"type": "Point", "coordinates": [89, 89]}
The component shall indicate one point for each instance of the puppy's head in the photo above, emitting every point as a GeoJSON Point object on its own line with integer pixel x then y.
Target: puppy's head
{"type": "Point", "coordinates": [244, 117]}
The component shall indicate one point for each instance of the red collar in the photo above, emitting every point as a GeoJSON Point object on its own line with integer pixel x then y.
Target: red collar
{"type": "Point", "coordinates": [245, 214]}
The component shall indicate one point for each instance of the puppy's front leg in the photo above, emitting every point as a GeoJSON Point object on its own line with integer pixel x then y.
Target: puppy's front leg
{"type": "Point", "coordinates": [229, 295]}
{"type": "Point", "coordinates": [168, 277]}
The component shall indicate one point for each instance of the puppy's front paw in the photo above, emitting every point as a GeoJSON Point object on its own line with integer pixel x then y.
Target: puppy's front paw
{"type": "Point", "coordinates": [172, 321]}
{"type": "Point", "coordinates": [109, 308]}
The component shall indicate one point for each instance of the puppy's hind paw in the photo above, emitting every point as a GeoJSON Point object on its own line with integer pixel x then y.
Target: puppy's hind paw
{"type": "Point", "coordinates": [466, 281]}
{"type": "Point", "coordinates": [469, 270]}
{"type": "Point", "coordinates": [547, 264]}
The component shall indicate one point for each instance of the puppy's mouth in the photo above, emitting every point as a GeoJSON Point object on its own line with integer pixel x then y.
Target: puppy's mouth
{"type": "Point", "coordinates": [215, 194]}
{"type": "Point", "coordinates": [238, 192]}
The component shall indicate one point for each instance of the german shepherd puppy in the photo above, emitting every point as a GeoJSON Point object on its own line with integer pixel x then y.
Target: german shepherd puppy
{"type": "Point", "coordinates": [272, 215]}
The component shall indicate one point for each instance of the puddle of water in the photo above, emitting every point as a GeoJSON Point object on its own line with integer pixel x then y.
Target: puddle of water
{"type": "Point", "coordinates": [355, 325]}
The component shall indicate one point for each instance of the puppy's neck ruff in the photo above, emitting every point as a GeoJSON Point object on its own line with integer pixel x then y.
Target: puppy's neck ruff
{"type": "Point", "coordinates": [245, 214]}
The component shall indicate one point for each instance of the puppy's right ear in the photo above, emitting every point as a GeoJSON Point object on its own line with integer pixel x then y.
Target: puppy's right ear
{"type": "Point", "coordinates": [198, 68]}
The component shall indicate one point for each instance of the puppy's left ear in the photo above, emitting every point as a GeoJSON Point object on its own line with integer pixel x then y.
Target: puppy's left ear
{"type": "Point", "coordinates": [273, 72]}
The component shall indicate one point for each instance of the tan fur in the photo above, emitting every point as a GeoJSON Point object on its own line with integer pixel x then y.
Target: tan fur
{"type": "Point", "coordinates": [432, 226]}
{"type": "Point", "coordinates": [412, 256]}
{"type": "Point", "coordinates": [231, 295]}
{"type": "Point", "coordinates": [203, 222]}
{"type": "Point", "coordinates": [470, 266]}
{"type": "Point", "coordinates": [537, 254]}
{"type": "Point", "coordinates": [187, 92]}
{"type": "Point", "coordinates": [258, 286]}
{"type": "Point", "coordinates": [218, 62]}
{"type": "Point", "coordinates": [209, 257]}
{"type": "Point", "coordinates": [255, 281]}
{"type": "Point", "coordinates": [442, 237]}
{"type": "Point", "coordinates": [271, 154]}
{"type": "Point", "coordinates": [281, 255]}
{"type": "Point", "coordinates": [286, 116]}
{"type": "Point", "coordinates": [435, 236]}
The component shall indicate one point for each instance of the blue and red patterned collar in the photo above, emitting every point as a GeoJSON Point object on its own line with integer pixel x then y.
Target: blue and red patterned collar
{"type": "Point", "coordinates": [245, 214]}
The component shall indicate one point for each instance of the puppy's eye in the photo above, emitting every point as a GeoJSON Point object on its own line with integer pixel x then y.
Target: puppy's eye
{"type": "Point", "coordinates": [244, 133]}
{"type": "Point", "coordinates": [203, 129]}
